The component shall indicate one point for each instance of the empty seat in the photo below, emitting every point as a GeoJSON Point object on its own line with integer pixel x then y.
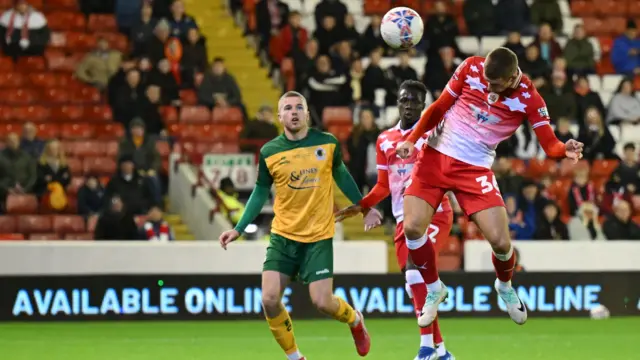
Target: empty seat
{"type": "Point", "coordinates": [44, 237]}
{"type": "Point", "coordinates": [34, 224]}
{"type": "Point", "coordinates": [8, 224]}
{"type": "Point", "coordinates": [163, 148]}
{"type": "Point", "coordinates": [341, 132]}
{"type": "Point", "coordinates": [65, 224]}
{"type": "Point", "coordinates": [98, 113]}
{"type": "Point", "coordinates": [80, 41]}
{"type": "Point", "coordinates": [85, 95]}
{"type": "Point", "coordinates": [48, 130]}
{"type": "Point", "coordinates": [18, 96]}
{"type": "Point", "coordinates": [11, 237]}
{"type": "Point", "coordinates": [76, 183]}
{"type": "Point", "coordinates": [22, 204]}
{"type": "Point", "coordinates": [231, 115]}
{"type": "Point", "coordinates": [56, 96]}
{"type": "Point", "coordinates": [31, 63]}
{"type": "Point", "coordinates": [71, 5]}
{"type": "Point", "coordinates": [85, 236]}
{"type": "Point", "coordinates": [109, 131]}
{"type": "Point", "coordinates": [189, 97]}
{"type": "Point", "coordinates": [100, 166]}
{"type": "Point", "coordinates": [195, 114]}
{"type": "Point", "coordinates": [603, 168]}
{"type": "Point", "coordinates": [169, 114]}
{"type": "Point", "coordinates": [12, 80]}
{"type": "Point", "coordinates": [116, 40]}
{"type": "Point", "coordinates": [87, 148]}
{"type": "Point", "coordinates": [7, 128]}
{"type": "Point", "coordinates": [337, 115]}
{"type": "Point", "coordinates": [102, 22]}
{"type": "Point", "coordinates": [75, 166]}
{"type": "Point", "coordinates": [77, 131]}
{"type": "Point", "coordinates": [540, 167]}
{"type": "Point", "coordinates": [68, 113]}
{"type": "Point", "coordinates": [66, 21]}
{"type": "Point", "coordinates": [6, 64]}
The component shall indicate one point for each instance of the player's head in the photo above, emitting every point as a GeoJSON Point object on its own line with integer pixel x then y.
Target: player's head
{"type": "Point", "coordinates": [501, 69]}
{"type": "Point", "coordinates": [411, 96]}
{"type": "Point", "coordinates": [293, 112]}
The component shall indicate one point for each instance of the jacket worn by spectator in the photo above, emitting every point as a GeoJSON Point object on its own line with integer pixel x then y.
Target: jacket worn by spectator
{"type": "Point", "coordinates": [622, 57]}
{"type": "Point", "coordinates": [480, 17]}
{"type": "Point", "coordinates": [334, 8]}
{"type": "Point", "coordinates": [579, 55]}
{"type": "Point", "coordinates": [90, 200]}
{"type": "Point", "coordinates": [219, 84]}
{"type": "Point", "coordinates": [547, 11]}
{"type": "Point", "coordinates": [48, 173]}
{"type": "Point", "coordinates": [134, 189]}
{"type": "Point", "coordinates": [16, 167]}
{"type": "Point", "coordinates": [142, 150]}
{"type": "Point", "coordinates": [116, 226]}
{"type": "Point", "coordinates": [127, 12]}
{"type": "Point", "coordinates": [98, 67]}
{"type": "Point", "coordinates": [616, 229]}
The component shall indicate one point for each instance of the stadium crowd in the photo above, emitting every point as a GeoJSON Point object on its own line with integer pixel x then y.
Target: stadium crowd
{"type": "Point", "coordinates": [141, 61]}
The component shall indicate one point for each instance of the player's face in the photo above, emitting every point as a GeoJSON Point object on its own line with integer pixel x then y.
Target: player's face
{"type": "Point", "coordinates": [293, 114]}
{"type": "Point", "coordinates": [410, 105]}
{"type": "Point", "coordinates": [498, 86]}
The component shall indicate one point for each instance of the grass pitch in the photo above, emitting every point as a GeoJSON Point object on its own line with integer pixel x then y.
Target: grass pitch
{"type": "Point", "coordinates": [468, 339]}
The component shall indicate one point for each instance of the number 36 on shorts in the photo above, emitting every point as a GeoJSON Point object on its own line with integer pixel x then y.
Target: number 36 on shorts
{"type": "Point", "coordinates": [488, 186]}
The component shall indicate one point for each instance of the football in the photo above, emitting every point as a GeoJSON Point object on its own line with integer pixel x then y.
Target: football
{"type": "Point", "coordinates": [401, 28]}
{"type": "Point", "coordinates": [599, 312]}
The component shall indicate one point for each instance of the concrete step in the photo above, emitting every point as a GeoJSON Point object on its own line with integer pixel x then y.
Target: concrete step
{"type": "Point", "coordinates": [184, 237]}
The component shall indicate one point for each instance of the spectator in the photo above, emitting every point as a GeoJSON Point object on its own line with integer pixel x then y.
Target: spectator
{"type": "Point", "coordinates": [194, 57]}
{"type": "Point", "coordinates": [508, 181]}
{"type": "Point", "coordinates": [584, 226]}
{"type": "Point", "coordinates": [271, 17]}
{"type": "Point", "coordinates": [619, 226]}
{"type": "Point", "coordinates": [581, 190]}
{"type": "Point", "coordinates": [356, 75]}
{"type": "Point", "coordinates": [127, 12]}
{"type": "Point", "coordinates": [179, 21]}
{"type": "Point", "coordinates": [374, 78]}
{"type": "Point", "coordinates": [563, 130]}
{"type": "Point", "coordinates": [261, 128]}
{"type": "Point", "coordinates": [327, 88]}
{"type": "Point", "coordinates": [162, 77]}
{"type": "Point", "coordinates": [24, 30]}
{"type": "Point", "coordinates": [579, 53]}
{"type": "Point", "coordinates": [97, 6]}
{"type": "Point", "coordinates": [52, 168]}
{"type": "Point", "coordinates": [17, 169]}
{"type": "Point", "coordinates": [142, 31]}
{"type": "Point", "coordinates": [119, 81]}
{"type": "Point", "coordinates": [527, 146]}
{"type": "Point", "coordinates": [624, 107]}
{"type": "Point", "coordinates": [162, 8]}
{"type": "Point", "coordinates": [145, 67]}
{"type": "Point", "coordinates": [156, 228]}
{"type": "Point", "coordinates": [559, 97]}
{"type": "Point", "coordinates": [399, 74]}
{"type": "Point", "coordinates": [149, 111]}
{"type": "Point", "coordinates": [439, 70]}
{"type": "Point", "coordinates": [547, 12]}
{"type": "Point", "coordinates": [626, 174]}
{"type": "Point", "coordinates": [479, 15]}
{"type": "Point", "coordinates": [513, 15]}
{"type": "Point", "coordinates": [586, 98]}
{"type": "Point", "coordinates": [343, 58]}
{"type": "Point", "coordinates": [116, 222]}
{"type": "Point", "coordinates": [141, 148]}
{"type": "Point", "coordinates": [305, 63]}
{"type": "Point", "coordinates": [547, 45]}
{"type": "Point", "coordinates": [30, 143]}
{"type": "Point", "coordinates": [90, 196]}
{"type": "Point", "coordinates": [154, 47]}
{"type": "Point", "coordinates": [549, 226]}
{"type": "Point", "coordinates": [518, 229]}
{"type": "Point", "coordinates": [514, 43]}
{"type": "Point", "coordinates": [233, 208]}
{"type": "Point", "coordinates": [134, 190]}
{"type": "Point", "coordinates": [333, 8]}
{"type": "Point", "coordinates": [536, 68]}
{"type": "Point", "coordinates": [441, 29]}
{"type": "Point", "coordinates": [625, 53]}
{"type": "Point", "coordinates": [372, 39]}
{"type": "Point", "coordinates": [98, 66]}
{"type": "Point", "coordinates": [291, 40]}
{"type": "Point", "coordinates": [219, 88]}
{"type": "Point", "coordinates": [598, 141]}
{"type": "Point", "coordinates": [352, 35]}
{"type": "Point", "coordinates": [507, 148]}
{"type": "Point", "coordinates": [125, 106]}
{"type": "Point", "coordinates": [530, 204]}
{"type": "Point", "coordinates": [328, 35]}
{"type": "Point", "coordinates": [362, 150]}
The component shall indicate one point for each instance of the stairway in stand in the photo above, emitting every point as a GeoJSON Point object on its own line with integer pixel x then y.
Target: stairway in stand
{"type": "Point", "coordinates": [226, 40]}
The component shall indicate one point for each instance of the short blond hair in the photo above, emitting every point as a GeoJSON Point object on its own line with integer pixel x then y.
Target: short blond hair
{"type": "Point", "coordinates": [290, 94]}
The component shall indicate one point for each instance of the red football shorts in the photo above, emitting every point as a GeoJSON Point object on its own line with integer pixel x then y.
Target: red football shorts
{"type": "Point", "coordinates": [435, 173]}
{"type": "Point", "coordinates": [438, 232]}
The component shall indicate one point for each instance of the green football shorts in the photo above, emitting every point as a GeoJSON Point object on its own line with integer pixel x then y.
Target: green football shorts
{"type": "Point", "coordinates": [306, 262]}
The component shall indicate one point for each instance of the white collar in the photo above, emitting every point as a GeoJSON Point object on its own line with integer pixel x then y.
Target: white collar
{"type": "Point", "coordinates": [403, 131]}
{"type": "Point", "coordinates": [518, 79]}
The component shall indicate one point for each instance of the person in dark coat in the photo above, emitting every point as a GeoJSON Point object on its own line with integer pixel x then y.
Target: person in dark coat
{"type": "Point", "coordinates": [116, 222]}
{"type": "Point", "coordinates": [372, 38]}
{"type": "Point", "coordinates": [586, 98]}
{"type": "Point", "coordinates": [549, 226]}
{"type": "Point", "coordinates": [90, 196]}
{"type": "Point", "coordinates": [134, 189]}
{"type": "Point", "coordinates": [620, 226]}
{"type": "Point", "coordinates": [271, 17]}
{"type": "Point", "coordinates": [143, 28]}
{"type": "Point", "coordinates": [537, 69]}
{"type": "Point", "coordinates": [441, 30]}
{"type": "Point", "coordinates": [24, 31]}
{"type": "Point", "coordinates": [52, 167]}
{"type": "Point", "coordinates": [596, 137]}
{"type": "Point", "coordinates": [218, 87]}
{"type": "Point", "coordinates": [334, 8]}
{"type": "Point", "coordinates": [154, 47]}
{"type": "Point", "coordinates": [479, 16]}
{"type": "Point", "coordinates": [361, 145]}
{"type": "Point", "coordinates": [514, 43]}
{"type": "Point", "coordinates": [127, 99]}
{"type": "Point", "coordinates": [194, 57]}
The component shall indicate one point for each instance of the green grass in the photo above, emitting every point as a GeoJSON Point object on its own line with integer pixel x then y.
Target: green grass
{"type": "Point", "coordinates": [468, 339]}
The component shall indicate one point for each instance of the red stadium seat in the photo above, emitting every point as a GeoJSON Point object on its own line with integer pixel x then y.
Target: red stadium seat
{"type": "Point", "coordinates": [80, 41]}
{"type": "Point", "coordinates": [7, 128]}
{"type": "Point", "coordinates": [231, 115]}
{"type": "Point", "coordinates": [188, 97]}
{"type": "Point", "coordinates": [567, 167]}
{"type": "Point", "coordinates": [77, 131]}
{"type": "Point", "coordinates": [341, 132]}
{"type": "Point", "coordinates": [11, 237]}
{"type": "Point", "coordinates": [582, 8]}
{"type": "Point", "coordinates": [111, 149]}
{"type": "Point", "coordinates": [540, 167]}
{"type": "Point", "coordinates": [169, 114]}
{"type": "Point", "coordinates": [449, 262]}
{"type": "Point", "coordinates": [99, 113]}
{"type": "Point", "coordinates": [606, 43]}
{"type": "Point", "coordinates": [116, 40]}
{"type": "Point", "coordinates": [22, 204]}
{"type": "Point", "coordinates": [100, 166]}
{"type": "Point", "coordinates": [31, 63]}
{"type": "Point", "coordinates": [379, 7]}
{"type": "Point", "coordinates": [76, 183]}
{"type": "Point", "coordinates": [30, 113]}
{"type": "Point", "coordinates": [195, 114]}
{"type": "Point", "coordinates": [66, 224]}
{"type": "Point", "coordinates": [102, 22]}
{"type": "Point", "coordinates": [44, 237]}
{"type": "Point", "coordinates": [82, 149]}
{"type": "Point", "coordinates": [85, 95]}
{"type": "Point", "coordinates": [163, 148]}
{"type": "Point", "coordinates": [75, 166]}
{"type": "Point", "coordinates": [12, 80]}
{"type": "Point", "coordinates": [337, 115]}
{"type": "Point", "coordinates": [603, 168]}
{"type": "Point", "coordinates": [68, 113]}
{"type": "Point", "coordinates": [48, 130]}
{"type": "Point", "coordinates": [18, 96]}
{"type": "Point", "coordinates": [634, 8]}
{"type": "Point", "coordinates": [8, 224]}
{"type": "Point", "coordinates": [6, 64]}
{"type": "Point", "coordinates": [607, 8]}
{"type": "Point", "coordinates": [6, 113]}
{"type": "Point", "coordinates": [66, 21]}
{"type": "Point", "coordinates": [109, 131]}
{"type": "Point", "coordinates": [71, 5]}
{"type": "Point", "coordinates": [174, 129]}
{"type": "Point", "coordinates": [33, 224]}
{"type": "Point", "coordinates": [86, 236]}
{"type": "Point", "coordinates": [56, 96]}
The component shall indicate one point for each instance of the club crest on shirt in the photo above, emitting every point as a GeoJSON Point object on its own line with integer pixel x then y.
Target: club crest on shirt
{"type": "Point", "coordinates": [320, 154]}
{"type": "Point", "coordinates": [492, 98]}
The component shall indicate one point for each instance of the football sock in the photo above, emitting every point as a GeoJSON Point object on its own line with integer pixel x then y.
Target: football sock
{"type": "Point", "coordinates": [427, 340]}
{"type": "Point", "coordinates": [437, 335]}
{"type": "Point", "coordinates": [345, 313]}
{"type": "Point", "coordinates": [504, 265]}
{"type": "Point", "coordinates": [423, 254]}
{"type": "Point", "coordinates": [441, 350]}
{"type": "Point", "coordinates": [418, 295]}
{"type": "Point", "coordinates": [282, 330]}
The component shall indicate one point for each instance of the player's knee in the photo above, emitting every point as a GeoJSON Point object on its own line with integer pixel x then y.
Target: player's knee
{"type": "Point", "coordinates": [414, 229]}
{"type": "Point", "coordinates": [271, 302]}
{"type": "Point", "coordinates": [323, 302]}
{"type": "Point", "coordinates": [499, 239]}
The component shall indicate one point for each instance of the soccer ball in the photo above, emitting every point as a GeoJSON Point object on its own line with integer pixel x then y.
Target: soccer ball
{"type": "Point", "coordinates": [401, 28]}
{"type": "Point", "coordinates": [599, 312]}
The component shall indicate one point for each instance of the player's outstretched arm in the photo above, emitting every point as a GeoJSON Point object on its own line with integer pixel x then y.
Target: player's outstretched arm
{"type": "Point", "coordinates": [538, 117]}
{"type": "Point", "coordinates": [377, 194]}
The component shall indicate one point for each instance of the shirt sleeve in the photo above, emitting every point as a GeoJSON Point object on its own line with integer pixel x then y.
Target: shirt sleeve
{"type": "Point", "coordinates": [537, 112]}
{"type": "Point", "coordinates": [343, 178]}
{"type": "Point", "coordinates": [381, 159]}
{"type": "Point", "coordinates": [456, 83]}
{"type": "Point", "coordinates": [264, 175]}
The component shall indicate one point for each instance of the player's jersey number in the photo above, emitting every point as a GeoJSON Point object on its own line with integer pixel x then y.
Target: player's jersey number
{"type": "Point", "coordinates": [488, 186]}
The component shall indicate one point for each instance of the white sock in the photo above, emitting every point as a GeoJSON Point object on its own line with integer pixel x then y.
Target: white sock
{"type": "Point", "coordinates": [295, 356]}
{"type": "Point", "coordinates": [504, 285]}
{"type": "Point", "coordinates": [434, 286]}
{"type": "Point", "coordinates": [441, 350]}
{"type": "Point", "coordinates": [426, 341]}
{"type": "Point", "coordinates": [504, 257]}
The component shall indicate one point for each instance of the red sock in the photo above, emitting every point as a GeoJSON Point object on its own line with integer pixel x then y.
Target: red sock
{"type": "Point", "coordinates": [418, 295]}
{"type": "Point", "coordinates": [424, 256]}
{"type": "Point", "coordinates": [437, 335]}
{"type": "Point", "coordinates": [504, 268]}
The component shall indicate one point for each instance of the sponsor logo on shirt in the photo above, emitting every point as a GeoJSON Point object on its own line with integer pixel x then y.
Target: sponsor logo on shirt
{"type": "Point", "coordinates": [544, 113]}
